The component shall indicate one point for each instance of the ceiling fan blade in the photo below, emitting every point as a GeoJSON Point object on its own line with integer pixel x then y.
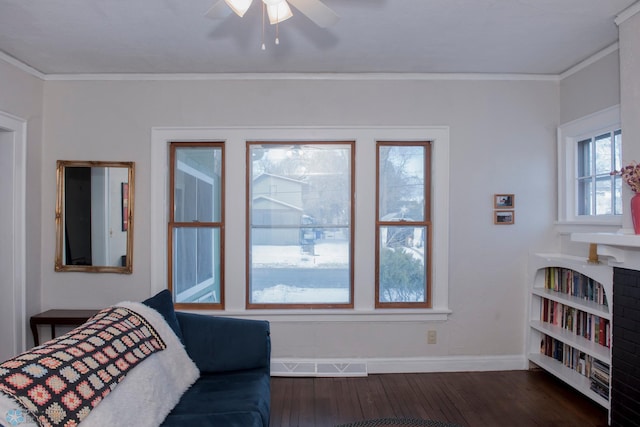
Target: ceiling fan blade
{"type": "Point", "coordinates": [317, 11]}
{"type": "Point", "coordinates": [218, 10]}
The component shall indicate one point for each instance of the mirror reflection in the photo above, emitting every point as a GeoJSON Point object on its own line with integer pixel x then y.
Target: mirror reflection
{"type": "Point", "coordinates": [94, 216]}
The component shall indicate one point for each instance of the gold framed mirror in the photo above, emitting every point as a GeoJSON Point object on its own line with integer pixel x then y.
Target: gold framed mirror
{"type": "Point", "coordinates": [94, 216]}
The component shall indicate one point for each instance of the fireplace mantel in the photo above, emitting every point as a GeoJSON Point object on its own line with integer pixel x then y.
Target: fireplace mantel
{"type": "Point", "coordinates": [621, 249]}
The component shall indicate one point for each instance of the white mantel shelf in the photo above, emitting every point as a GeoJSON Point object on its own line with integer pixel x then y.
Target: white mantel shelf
{"type": "Point", "coordinates": [621, 247]}
{"type": "Point", "coordinates": [611, 239]}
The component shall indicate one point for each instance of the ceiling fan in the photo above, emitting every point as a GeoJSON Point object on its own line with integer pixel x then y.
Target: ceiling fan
{"type": "Point", "coordinates": [278, 10]}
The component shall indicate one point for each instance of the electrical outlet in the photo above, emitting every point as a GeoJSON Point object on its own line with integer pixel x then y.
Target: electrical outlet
{"type": "Point", "coordinates": [432, 337]}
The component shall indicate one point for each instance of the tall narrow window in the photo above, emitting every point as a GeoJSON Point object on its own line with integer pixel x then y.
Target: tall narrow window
{"type": "Point", "coordinates": [599, 192]}
{"type": "Point", "coordinates": [403, 225]}
{"type": "Point", "coordinates": [196, 225]}
{"type": "Point", "coordinates": [300, 225]}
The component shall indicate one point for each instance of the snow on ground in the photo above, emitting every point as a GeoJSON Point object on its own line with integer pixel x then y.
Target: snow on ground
{"type": "Point", "coordinates": [284, 294]}
{"type": "Point", "coordinates": [325, 254]}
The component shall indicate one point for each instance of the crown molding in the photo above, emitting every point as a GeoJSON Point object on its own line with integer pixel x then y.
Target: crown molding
{"type": "Point", "coordinates": [22, 66]}
{"type": "Point", "coordinates": [273, 76]}
{"type": "Point", "coordinates": [299, 76]}
{"type": "Point", "coordinates": [590, 60]}
{"type": "Point", "coordinates": [627, 13]}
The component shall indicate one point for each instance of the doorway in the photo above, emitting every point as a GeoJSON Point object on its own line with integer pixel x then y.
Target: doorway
{"type": "Point", "coordinates": [12, 235]}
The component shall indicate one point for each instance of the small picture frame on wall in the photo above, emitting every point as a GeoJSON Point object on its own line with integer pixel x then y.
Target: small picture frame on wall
{"type": "Point", "coordinates": [504, 217]}
{"type": "Point", "coordinates": [504, 201]}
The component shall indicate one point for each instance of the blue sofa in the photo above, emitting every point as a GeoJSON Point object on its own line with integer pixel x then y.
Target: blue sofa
{"type": "Point", "coordinates": [125, 366]}
{"type": "Point", "coordinates": [233, 356]}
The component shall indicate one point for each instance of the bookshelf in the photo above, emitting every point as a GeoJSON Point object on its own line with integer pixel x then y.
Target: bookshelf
{"type": "Point", "coordinates": [570, 322]}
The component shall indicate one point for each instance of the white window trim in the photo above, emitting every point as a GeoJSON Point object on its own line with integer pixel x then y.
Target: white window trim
{"type": "Point", "coordinates": [15, 137]}
{"type": "Point", "coordinates": [568, 135]}
{"type": "Point", "coordinates": [365, 158]}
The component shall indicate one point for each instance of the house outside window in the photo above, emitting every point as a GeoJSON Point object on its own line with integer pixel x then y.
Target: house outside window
{"type": "Point", "coordinates": [403, 225]}
{"type": "Point", "coordinates": [196, 225]}
{"type": "Point", "coordinates": [300, 225]}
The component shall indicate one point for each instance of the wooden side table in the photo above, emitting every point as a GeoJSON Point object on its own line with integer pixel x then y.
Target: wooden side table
{"type": "Point", "coordinates": [58, 318]}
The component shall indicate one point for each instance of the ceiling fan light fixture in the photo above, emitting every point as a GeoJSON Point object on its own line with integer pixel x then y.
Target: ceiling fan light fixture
{"type": "Point", "coordinates": [240, 7]}
{"type": "Point", "coordinates": [278, 11]}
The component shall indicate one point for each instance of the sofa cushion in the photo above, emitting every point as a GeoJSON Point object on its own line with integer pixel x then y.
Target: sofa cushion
{"type": "Point", "coordinates": [239, 398]}
{"type": "Point", "coordinates": [223, 344]}
{"type": "Point", "coordinates": [162, 302]}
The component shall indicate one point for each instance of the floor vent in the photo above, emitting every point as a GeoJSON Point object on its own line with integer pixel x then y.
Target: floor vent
{"type": "Point", "coordinates": [310, 368]}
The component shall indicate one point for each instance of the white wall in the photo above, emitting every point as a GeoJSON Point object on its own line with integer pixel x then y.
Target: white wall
{"type": "Point", "coordinates": [630, 94]}
{"type": "Point", "coordinates": [608, 81]}
{"type": "Point", "coordinates": [21, 95]}
{"type": "Point", "coordinates": [588, 88]}
{"type": "Point", "coordinates": [502, 138]}
{"type": "Point", "coordinates": [591, 88]}
{"type": "Point", "coordinates": [118, 238]}
{"type": "Point", "coordinates": [10, 332]}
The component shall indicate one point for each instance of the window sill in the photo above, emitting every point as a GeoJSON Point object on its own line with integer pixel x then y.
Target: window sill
{"type": "Point", "coordinates": [380, 315]}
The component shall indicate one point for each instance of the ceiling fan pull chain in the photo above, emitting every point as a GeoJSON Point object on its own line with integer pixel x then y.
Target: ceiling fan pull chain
{"type": "Point", "coordinates": [277, 31]}
{"type": "Point", "coordinates": [264, 6]}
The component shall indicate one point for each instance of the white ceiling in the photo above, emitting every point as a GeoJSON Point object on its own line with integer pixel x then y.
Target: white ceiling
{"type": "Point", "coordinates": [372, 36]}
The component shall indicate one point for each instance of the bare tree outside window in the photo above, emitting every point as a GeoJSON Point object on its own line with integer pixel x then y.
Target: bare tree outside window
{"type": "Point", "coordinates": [403, 225]}
{"type": "Point", "coordinates": [598, 191]}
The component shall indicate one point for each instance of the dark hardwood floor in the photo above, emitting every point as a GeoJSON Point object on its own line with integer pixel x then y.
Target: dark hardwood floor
{"type": "Point", "coordinates": [470, 399]}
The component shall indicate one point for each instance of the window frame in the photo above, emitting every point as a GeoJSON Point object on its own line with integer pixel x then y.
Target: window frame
{"type": "Point", "coordinates": [173, 225]}
{"type": "Point", "coordinates": [248, 224]}
{"type": "Point", "coordinates": [365, 137]}
{"type": "Point", "coordinates": [426, 222]}
{"type": "Point", "coordinates": [593, 176]}
{"type": "Point", "coordinates": [569, 134]}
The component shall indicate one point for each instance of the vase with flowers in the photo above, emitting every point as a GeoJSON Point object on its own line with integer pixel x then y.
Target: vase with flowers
{"type": "Point", "coordinates": [631, 175]}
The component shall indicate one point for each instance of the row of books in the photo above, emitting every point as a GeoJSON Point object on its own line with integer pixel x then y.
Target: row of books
{"type": "Point", "coordinates": [592, 368]}
{"type": "Point", "coordinates": [600, 378]}
{"type": "Point", "coordinates": [592, 327]}
{"type": "Point", "coordinates": [571, 282]}
{"type": "Point", "coordinates": [569, 356]}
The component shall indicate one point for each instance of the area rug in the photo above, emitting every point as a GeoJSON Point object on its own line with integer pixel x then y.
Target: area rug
{"type": "Point", "coordinates": [399, 422]}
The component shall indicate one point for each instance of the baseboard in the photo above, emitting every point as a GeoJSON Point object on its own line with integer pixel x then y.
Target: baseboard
{"type": "Point", "coordinates": [513, 362]}
{"type": "Point", "coordinates": [363, 367]}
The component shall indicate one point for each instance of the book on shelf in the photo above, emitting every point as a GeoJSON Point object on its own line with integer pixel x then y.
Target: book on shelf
{"type": "Point", "coordinates": [601, 370]}
{"type": "Point", "coordinates": [595, 370]}
{"type": "Point", "coordinates": [591, 327]}
{"type": "Point", "coordinates": [567, 281]}
{"type": "Point", "coordinates": [600, 378]}
{"type": "Point", "coordinates": [573, 308]}
{"type": "Point", "coordinates": [600, 390]}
